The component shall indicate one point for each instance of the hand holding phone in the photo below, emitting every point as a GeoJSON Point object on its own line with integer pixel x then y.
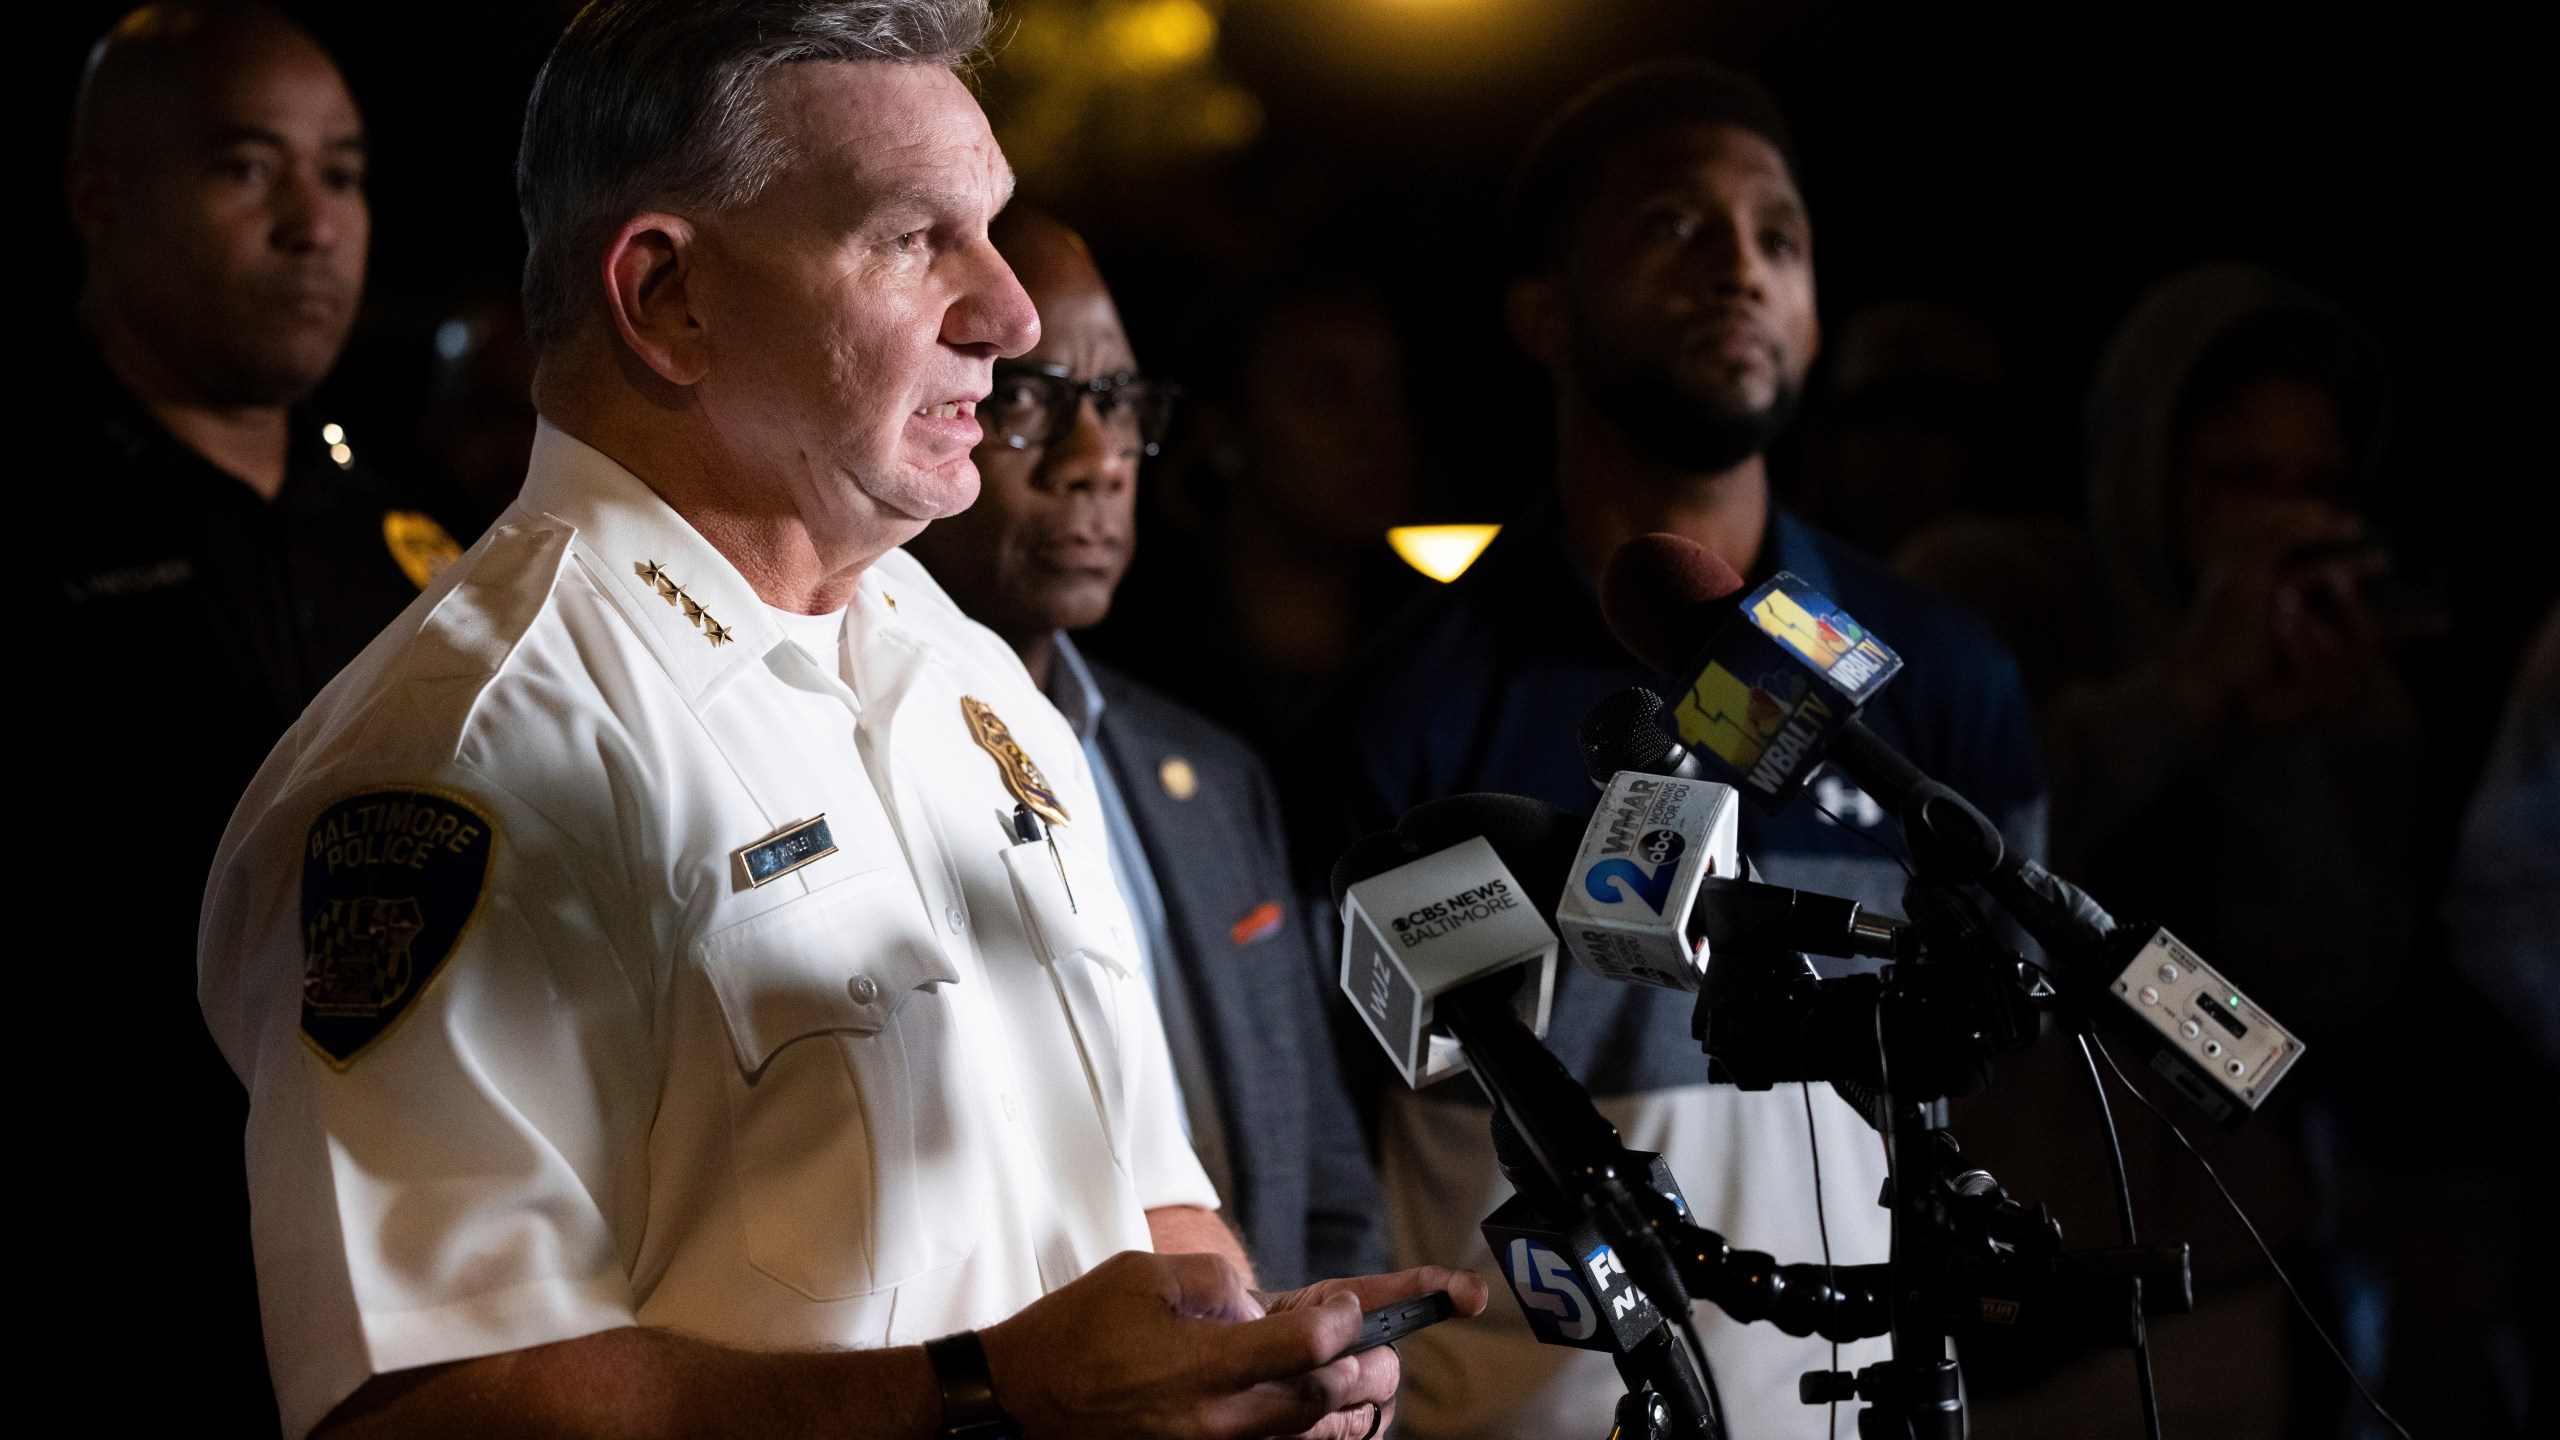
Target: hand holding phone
{"type": "Point", "coordinates": [1392, 1322]}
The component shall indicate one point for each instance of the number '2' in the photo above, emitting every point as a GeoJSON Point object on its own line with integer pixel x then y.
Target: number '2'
{"type": "Point", "coordinates": [1652, 888]}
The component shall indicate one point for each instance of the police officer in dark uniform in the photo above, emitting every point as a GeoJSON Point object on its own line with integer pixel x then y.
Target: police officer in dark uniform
{"type": "Point", "coordinates": [216, 554]}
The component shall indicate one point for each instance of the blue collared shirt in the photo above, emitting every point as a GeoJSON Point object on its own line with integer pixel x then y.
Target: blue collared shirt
{"type": "Point", "coordinates": [1072, 690]}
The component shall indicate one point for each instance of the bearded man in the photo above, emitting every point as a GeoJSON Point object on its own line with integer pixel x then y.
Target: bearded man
{"type": "Point", "coordinates": [1661, 264]}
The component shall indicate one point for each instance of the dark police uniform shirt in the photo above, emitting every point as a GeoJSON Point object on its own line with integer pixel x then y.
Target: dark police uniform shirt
{"type": "Point", "coordinates": [186, 622]}
{"type": "Point", "coordinates": [1480, 688]}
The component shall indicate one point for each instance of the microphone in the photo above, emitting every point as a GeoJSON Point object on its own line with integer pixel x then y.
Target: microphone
{"type": "Point", "coordinates": [1623, 732]}
{"type": "Point", "coordinates": [1659, 885]}
{"type": "Point", "coordinates": [1453, 970]}
{"type": "Point", "coordinates": [1664, 598]}
{"type": "Point", "coordinates": [1775, 689]}
{"type": "Point", "coordinates": [1430, 925]}
{"type": "Point", "coordinates": [1575, 1291]}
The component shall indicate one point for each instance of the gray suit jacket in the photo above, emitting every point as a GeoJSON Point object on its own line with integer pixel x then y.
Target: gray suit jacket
{"type": "Point", "coordinates": [1306, 1196]}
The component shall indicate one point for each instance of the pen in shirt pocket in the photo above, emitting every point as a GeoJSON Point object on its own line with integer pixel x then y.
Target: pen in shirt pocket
{"type": "Point", "coordinates": [1027, 830]}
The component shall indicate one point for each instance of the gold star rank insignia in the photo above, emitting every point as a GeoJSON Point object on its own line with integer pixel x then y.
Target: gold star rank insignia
{"type": "Point", "coordinates": [655, 576]}
{"type": "Point", "coordinates": [1021, 775]}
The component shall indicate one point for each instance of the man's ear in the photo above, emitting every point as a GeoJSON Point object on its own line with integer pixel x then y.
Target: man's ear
{"type": "Point", "coordinates": [1533, 309]}
{"type": "Point", "coordinates": [647, 270]}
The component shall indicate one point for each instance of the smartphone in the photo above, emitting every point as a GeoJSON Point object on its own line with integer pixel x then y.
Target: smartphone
{"type": "Point", "coordinates": [1389, 1323]}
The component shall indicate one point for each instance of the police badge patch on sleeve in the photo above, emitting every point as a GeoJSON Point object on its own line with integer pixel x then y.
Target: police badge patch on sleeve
{"type": "Point", "coordinates": [390, 879]}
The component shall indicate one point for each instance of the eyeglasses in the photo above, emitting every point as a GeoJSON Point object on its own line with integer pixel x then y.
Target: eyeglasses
{"type": "Point", "coordinates": [1036, 405]}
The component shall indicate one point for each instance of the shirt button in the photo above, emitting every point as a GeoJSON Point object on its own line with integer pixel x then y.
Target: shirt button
{"type": "Point", "coordinates": [955, 919]}
{"type": "Point", "coordinates": [863, 989]}
{"type": "Point", "coordinates": [1011, 1112]}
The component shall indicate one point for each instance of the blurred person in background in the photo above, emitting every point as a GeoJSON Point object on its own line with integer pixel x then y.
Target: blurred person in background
{"type": "Point", "coordinates": [1295, 455]}
{"type": "Point", "coordinates": [217, 551]}
{"type": "Point", "coordinates": [1194, 823]}
{"type": "Point", "coordinates": [2235, 757]}
{"type": "Point", "coordinates": [1911, 423]}
{"type": "Point", "coordinates": [2507, 863]}
{"type": "Point", "coordinates": [2494, 1246]}
{"type": "Point", "coordinates": [1662, 274]}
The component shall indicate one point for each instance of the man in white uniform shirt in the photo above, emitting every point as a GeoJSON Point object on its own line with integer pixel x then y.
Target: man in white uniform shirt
{"type": "Point", "coordinates": [676, 969]}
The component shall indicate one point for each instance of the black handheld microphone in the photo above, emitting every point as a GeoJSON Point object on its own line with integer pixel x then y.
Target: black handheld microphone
{"type": "Point", "coordinates": [1575, 1291]}
{"type": "Point", "coordinates": [1774, 689]}
{"type": "Point", "coordinates": [1775, 686]}
{"type": "Point", "coordinates": [1449, 961]}
{"type": "Point", "coordinates": [1623, 732]}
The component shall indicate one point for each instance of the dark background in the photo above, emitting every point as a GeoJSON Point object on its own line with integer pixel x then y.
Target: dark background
{"type": "Point", "coordinates": [2040, 164]}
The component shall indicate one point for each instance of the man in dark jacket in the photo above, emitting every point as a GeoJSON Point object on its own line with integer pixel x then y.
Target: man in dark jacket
{"type": "Point", "coordinates": [209, 552]}
{"type": "Point", "coordinates": [1662, 274]}
{"type": "Point", "coordinates": [1195, 828]}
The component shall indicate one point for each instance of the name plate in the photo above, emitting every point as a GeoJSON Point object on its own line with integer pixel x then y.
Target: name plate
{"type": "Point", "coordinates": [800, 845]}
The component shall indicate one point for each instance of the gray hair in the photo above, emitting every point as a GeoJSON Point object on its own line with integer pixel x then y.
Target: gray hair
{"type": "Point", "coordinates": [662, 102]}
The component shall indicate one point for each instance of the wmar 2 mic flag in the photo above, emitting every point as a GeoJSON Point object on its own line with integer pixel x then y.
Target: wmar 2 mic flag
{"type": "Point", "coordinates": [1431, 926]}
{"type": "Point", "coordinates": [1626, 904]}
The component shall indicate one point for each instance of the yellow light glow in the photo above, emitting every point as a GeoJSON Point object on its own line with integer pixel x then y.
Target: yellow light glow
{"type": "Point", "coordinates": [1442, 552]}
{"type": "Point", "coordinates": [332, 433]}
{"type": "Point", "coordinates": [1230, 116]}
{"type": "Point", "coordinates": [1153, 36]}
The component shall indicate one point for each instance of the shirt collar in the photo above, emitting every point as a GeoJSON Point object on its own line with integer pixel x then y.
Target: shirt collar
{"type": "Point", "coordinates": [1072, 690]}
{"type": "Point", "coordinates": [1543, 596]}
{"type": "Point", "coordinates": [699, 615]}
{"type": "Point", "coordinates": [1792, 548]}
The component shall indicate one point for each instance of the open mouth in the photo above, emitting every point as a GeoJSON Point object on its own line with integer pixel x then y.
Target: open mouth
{"type": "Point", "coordinates": [949, 410]}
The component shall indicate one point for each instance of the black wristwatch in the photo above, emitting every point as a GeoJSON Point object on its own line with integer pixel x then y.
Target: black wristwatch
{"type": "Point", "coordinates": [969, 1408]}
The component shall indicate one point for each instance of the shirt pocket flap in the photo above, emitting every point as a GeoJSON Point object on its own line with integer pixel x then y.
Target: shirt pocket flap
{"type": "Point", "coordinates": [842, 958]}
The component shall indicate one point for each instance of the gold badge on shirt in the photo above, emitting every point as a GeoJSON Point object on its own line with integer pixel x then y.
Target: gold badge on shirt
{"type": "Point", "coordinates": [418, 545]}
{"type": "Point", "coordinates": [1021, 775]}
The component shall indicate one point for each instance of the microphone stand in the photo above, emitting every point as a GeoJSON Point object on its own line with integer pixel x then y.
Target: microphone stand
{"type": "Point", "coordinates": [1551, 1135]}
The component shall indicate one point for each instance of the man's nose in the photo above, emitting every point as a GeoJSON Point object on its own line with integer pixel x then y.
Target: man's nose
{"type": "Point", "coordinates": [305, 215]}
{"type": "Point", "coordinates": [1736, 264]}
{"type": "Point", "coordinates": [992, 312]}
{"type": "Point", "coordinates": [1090, 456]}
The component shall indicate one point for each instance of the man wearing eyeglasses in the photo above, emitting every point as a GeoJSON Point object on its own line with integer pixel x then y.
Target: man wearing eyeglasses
{"type": "Point", "coordinates": [1194, 829]}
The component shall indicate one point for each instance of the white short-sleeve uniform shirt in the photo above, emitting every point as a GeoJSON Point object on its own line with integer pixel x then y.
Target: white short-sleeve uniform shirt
{"type": "Point", "coordinates": [531, 1057]}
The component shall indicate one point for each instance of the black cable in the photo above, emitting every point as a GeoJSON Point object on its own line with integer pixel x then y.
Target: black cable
{"type": "Point", "coordinates": [2124, 1224]}
{"type": "Point", "coordinates": [1830, 1278]}
{"type": "Point", "coordinates": [2251, 1226]}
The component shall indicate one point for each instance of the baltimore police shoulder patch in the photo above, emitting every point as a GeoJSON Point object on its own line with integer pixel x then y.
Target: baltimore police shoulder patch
{"type": "Point", "coordinates": [390, 880]}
